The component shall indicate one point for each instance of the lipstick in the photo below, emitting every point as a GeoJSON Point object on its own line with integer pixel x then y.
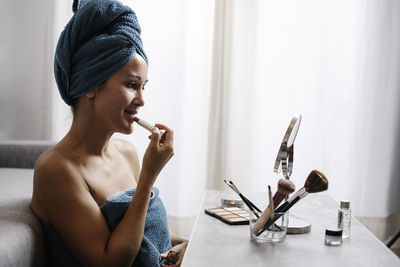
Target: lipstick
{"type": "Point", "coordinates": [147, 125]}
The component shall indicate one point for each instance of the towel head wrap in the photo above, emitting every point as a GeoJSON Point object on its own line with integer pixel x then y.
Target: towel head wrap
{"type": "Point", "coordinates": [101, 38]}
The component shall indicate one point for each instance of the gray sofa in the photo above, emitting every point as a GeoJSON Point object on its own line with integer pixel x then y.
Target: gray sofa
{"type": "Point", "coordinates": [21, 238]}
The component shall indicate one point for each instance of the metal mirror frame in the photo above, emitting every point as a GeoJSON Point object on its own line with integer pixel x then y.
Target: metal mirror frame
{"type": "Point", "coordinates": [284, 159]}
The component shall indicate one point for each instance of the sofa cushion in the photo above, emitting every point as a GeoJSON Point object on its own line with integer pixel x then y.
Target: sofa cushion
{"type": "Point", "coordinates": [21, 237]}
{"type": "Point", "coordinates": [21, 154]}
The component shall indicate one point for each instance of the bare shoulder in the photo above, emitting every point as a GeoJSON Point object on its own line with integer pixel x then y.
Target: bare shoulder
{"type": "Point", "coordinates": [54, 170]}
{"type": "Point", "coordinates": [53, 160]}
{"type": "Point", "coordinates": [129, 153]}
{"type": "Point", "coordinates": [49, 158]}
{"type": "Point", "coordinates": [56, 178]}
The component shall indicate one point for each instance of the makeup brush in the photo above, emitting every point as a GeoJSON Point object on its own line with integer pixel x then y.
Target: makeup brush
{"type": "Point", "coordinates": [316, 182]}
{"type": "Point", "coordinates": [271, 201]}
{"type": "Point", "coordinates": [248, 203]}
{"type": "Point", "coordinates": [147, 125]}
{"type": "Point", "coordinates": [285, 187]}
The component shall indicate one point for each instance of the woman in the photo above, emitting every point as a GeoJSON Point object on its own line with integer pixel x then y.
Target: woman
{"type": "Point", "coordinates": [96, 203]}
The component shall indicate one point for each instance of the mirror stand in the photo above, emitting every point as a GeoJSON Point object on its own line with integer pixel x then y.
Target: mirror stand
{"type": "Point", "coordinates": [284, 162]}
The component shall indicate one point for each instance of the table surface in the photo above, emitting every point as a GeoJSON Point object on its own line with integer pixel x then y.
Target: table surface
{"type": "Point", "coordinates": [214, 243]}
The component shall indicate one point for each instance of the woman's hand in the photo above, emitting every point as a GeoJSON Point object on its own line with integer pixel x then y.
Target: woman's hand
{"type": "Point", "coordinates": [159, 151]}
{"type": "Point", "coordinates": [178, 251]}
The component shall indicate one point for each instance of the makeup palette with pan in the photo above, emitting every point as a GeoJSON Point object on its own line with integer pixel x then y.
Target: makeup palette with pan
{"type": "Point", "coordinates": [230, 215]}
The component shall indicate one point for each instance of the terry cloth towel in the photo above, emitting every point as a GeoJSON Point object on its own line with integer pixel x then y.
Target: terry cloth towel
{"type": "Point", "coordinates": [101, 38]}
{"type": "Point", "coordinates": [156, 238]}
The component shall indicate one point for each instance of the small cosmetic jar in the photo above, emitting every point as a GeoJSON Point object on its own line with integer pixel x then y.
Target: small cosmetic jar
{"type": "Point", "coordinates": [274, 233]}
{"type": "Point", "coordinates": [229, 202]}
{"type": "Point", "coordinates": [333, 237]}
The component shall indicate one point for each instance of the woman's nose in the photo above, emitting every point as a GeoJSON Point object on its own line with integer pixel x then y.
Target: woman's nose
{"type": "Point", "coordinates": [138, 100]}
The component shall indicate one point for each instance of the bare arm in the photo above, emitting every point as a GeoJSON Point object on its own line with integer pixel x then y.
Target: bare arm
{"type": "Point", "coordinates": [78, 219]}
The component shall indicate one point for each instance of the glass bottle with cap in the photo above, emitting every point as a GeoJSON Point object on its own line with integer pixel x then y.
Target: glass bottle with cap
{"type": "Point", "coordinates": [344, 218]}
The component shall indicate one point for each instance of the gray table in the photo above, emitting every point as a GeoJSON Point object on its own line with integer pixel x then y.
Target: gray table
{"type": "Point", "coordinates": [214, 243]}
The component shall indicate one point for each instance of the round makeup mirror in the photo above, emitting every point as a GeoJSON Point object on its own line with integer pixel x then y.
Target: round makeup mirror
{"type": "Point", "coordinates": [293, 129]}
{"type": "Point", "coordinates": [284, 159]}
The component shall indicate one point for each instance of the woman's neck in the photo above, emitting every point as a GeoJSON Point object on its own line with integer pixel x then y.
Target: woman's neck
{"type": "Point", "coordinates": [88, 135]}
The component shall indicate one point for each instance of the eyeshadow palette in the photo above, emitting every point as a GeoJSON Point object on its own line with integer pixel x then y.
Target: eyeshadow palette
{"type": "Point", "coordinates": [230, 215]}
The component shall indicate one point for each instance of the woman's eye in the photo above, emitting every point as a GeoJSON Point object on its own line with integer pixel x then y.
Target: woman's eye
{"type": "Point", "coordinates": [132, 85]}
{"type": "Point", "coordinates": [135, 86]}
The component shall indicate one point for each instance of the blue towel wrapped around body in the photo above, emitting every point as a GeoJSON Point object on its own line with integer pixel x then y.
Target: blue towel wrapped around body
{"type": "Point", "coordinates": [156, 238]}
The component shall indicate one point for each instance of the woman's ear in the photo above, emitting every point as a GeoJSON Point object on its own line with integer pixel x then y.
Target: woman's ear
{"type": "Point", "coordinates": [92, 94]}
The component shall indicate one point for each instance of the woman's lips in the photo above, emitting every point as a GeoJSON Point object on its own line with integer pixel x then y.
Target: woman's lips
{"type": "Point", "coordinates": [131, 116]}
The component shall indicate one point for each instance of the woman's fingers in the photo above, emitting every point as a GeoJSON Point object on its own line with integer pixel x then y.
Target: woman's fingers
{"type": "Point", "coordinates": [155, 138]}
{"type": "Point", "coordinates": [168, 136]}
{"type": "Point", "coordinates": [167, 140]}
{"type": "Point", "coordinates": [162, 126]}
{"type": "Point", "coordinates": [175, 255]}
{"type": "Point", "coordinates": [164, 255]}
{"type": "Point", "coordinates": [159, 151]}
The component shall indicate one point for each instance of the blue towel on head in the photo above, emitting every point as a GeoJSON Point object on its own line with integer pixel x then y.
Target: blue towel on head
{"type": "Point", "coordinates": [156, 238]}
{"type": "Point", "coordinates": [101, 38]}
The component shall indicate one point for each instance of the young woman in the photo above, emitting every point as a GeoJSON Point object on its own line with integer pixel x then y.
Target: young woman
{"type": "Point", "coordinates": [97, 205]}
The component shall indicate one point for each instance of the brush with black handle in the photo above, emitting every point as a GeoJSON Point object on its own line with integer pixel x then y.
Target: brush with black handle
{"type": "Point", "coordinates": [316, 182]}
{"type": "Point", "coordinates": [248, 203]}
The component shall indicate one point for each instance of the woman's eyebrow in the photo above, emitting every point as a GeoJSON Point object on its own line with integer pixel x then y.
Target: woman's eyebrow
{"type": "Point", "coordinates": [136, 77]}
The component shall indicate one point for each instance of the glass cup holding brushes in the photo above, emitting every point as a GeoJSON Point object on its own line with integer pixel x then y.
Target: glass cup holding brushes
{"type": "Point", "coordinates": [271, 225]}
{"type": "Point", "coordinates": [276, 232]}
{"type": "Point", "coordinates": [257, 219]}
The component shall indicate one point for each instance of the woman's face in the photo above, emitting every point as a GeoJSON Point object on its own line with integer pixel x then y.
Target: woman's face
{"type": "Point", "coordinates": [119, 98]}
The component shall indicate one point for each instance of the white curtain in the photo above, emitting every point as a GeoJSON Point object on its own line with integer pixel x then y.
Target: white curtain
{"type": "Point", "coordinates": [336, 63]}
{"type": "Point", "coordinates": [227, 76]}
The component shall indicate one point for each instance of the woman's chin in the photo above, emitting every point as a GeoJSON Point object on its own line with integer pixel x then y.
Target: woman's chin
{"type": "Point", "coordinates": [127, 130]}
